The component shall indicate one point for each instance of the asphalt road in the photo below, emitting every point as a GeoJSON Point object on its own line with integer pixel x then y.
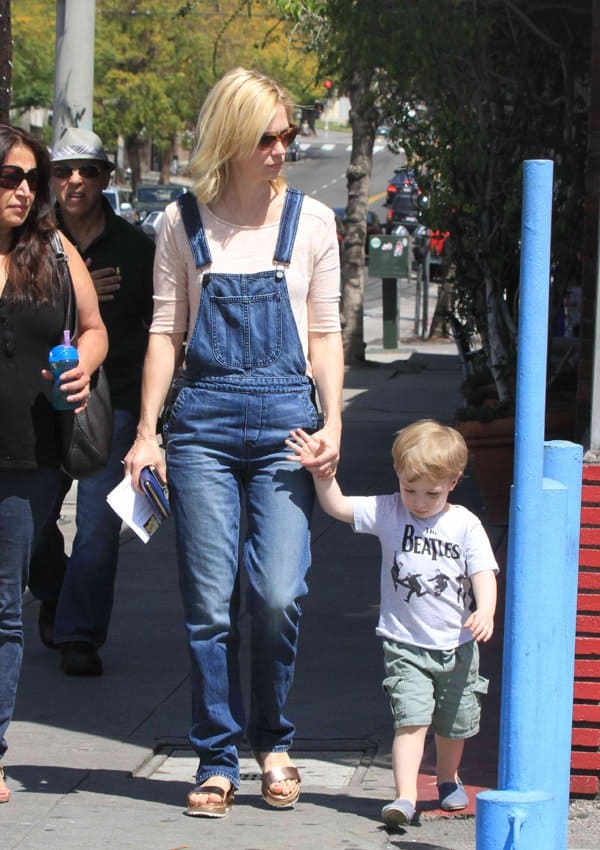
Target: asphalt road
{"type": "Point", "coordinates": [322, 170]}
{"type": "Point", "coordinates": [322, 173]}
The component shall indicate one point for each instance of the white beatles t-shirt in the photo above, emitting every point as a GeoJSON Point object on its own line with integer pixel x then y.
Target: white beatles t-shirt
{"type": "Point", "coordinates": [426, 565]}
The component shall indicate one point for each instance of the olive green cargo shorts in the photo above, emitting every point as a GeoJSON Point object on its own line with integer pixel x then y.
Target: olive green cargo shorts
{"type": "Point", "coordinates": [431, 687]}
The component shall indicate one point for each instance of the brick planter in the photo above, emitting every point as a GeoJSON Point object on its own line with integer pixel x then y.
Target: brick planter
{"type": "Point", "coordinates": [585, 749]}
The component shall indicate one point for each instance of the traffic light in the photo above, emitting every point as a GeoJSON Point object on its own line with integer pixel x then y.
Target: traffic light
{"type": "Point", "coordinates": [328, 85]}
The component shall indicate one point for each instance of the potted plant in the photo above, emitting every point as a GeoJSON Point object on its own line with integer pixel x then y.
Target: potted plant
{"type": "Point", "coordinates": [488, 427]}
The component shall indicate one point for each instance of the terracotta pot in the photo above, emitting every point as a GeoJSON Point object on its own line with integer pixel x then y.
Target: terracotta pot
{"type": "Point", "coordinates": [492, 451]}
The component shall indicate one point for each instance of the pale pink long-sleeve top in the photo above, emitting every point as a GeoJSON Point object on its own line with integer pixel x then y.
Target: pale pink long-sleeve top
{"type": "Point", "coordinates": [313, 276]}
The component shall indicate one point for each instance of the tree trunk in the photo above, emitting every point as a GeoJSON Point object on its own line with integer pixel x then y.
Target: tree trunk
{"type": "Point", "coordinates": [5, 61]}
{"type": "Point", "coordinates": [133, 145]}
{"type": "Point", "coordinates": [498, 354]}
{"type": "Point", "coordinates": [363, 119]}
{"type": "Point", "coordinates": [440, 323]}
{"type": "Point", "coordinates": [165, 163]}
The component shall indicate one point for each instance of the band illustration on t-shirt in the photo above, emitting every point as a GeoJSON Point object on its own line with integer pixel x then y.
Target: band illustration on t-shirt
{"type": "Point", "coordinates": [429, 546]}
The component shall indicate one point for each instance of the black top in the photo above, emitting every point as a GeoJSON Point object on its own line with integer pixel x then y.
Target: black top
{"type": "Point", "coordinates": [28, 436]}
{"type": "Point", "coordinates": [128, 316]}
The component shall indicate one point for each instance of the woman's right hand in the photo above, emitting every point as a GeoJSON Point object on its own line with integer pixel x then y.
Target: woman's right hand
{"type": "Point", "coordinates": [144, 452]}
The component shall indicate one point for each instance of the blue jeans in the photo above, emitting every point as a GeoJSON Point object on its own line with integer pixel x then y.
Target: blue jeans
{"type": "Point", "coordinates": [222, 444]}
{"type": "Point", "coordinates": [86, 596]}
{"type": "Point", "coordinates": [26, 500]}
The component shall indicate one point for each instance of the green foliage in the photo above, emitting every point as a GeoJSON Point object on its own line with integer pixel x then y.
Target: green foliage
{"type": "Point", "coordinates": [156, 59]}
{"type": "Point", "coordinates": [33, 53]}
{"type": "Point", "coordinates": [486, 86]}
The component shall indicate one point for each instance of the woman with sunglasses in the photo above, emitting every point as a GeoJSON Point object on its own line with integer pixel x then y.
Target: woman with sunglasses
{"type": "Point", "coordinates": [32, 320]}
{"type": "Point", "coordinates": [249, 271]}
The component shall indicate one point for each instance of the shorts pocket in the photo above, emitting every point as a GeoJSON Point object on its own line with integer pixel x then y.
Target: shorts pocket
{"type": "Point", "coordinates": [481, 685]}
{"type": "Point", "coordinates": [390, 684]}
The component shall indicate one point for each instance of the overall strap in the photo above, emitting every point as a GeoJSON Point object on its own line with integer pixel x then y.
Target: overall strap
{"type": "Point", "coordinates": [190, 214]}
{"type": "Point", "coordinates": [288, 226]}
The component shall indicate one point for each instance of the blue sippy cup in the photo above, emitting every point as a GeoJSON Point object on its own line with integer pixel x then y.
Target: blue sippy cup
{"type": "Point", "coordinates": [61, 359]}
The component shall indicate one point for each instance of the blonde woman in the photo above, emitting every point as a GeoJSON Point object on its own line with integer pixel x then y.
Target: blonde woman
{"type": "Point", "coordinates": [249, 271]}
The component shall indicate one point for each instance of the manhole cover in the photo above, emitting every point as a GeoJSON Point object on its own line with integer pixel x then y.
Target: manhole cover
{"type": "Point", "coordinates": [333, 770]}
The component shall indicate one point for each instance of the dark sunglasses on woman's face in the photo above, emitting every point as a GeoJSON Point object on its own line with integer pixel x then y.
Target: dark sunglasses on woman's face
{"type": "Point", "coordinates": [11, 176]}
{"type": "Point", "coordinates": [66, 171]}
{"type": "Point", "coordinates": [267, 140]}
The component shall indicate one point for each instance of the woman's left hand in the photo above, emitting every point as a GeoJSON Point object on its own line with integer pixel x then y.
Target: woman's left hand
{"type": "Point", "coordinates": [75, 384]}
{"type": "Point", "coordinates": [326, 457]}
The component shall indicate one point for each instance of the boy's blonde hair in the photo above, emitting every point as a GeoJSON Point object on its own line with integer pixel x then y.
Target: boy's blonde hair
{"type": "Point", "coordinates": [428, 449]}
{"type": "Point", "coordinates": [235, 114]}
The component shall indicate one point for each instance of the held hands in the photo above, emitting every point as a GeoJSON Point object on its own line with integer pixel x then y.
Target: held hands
{"type": "Point", "coordinates": [481, 624]}
{"type": "Point", "coordinates": [75, 384]}
{"type": "Point", "coordinates": [318, 452]}
{"type": "Point", "coordinates": [107, 281]}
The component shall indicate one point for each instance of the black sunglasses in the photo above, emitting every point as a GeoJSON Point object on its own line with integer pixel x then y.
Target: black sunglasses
{"type": "Point", "coordinates": [65, 171]}
{"type": "Point", "coordinates": [11, 176]}
{"type": "Point", "coordinates": [267, 140]}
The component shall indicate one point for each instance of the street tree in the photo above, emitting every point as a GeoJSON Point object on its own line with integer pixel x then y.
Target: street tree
{"type": "Point", "coordinates": [489, 85]}
{"type": "Point", "coordinates": [33, 55]}
{"type": "Point", "coordinates": [155, 61]}
{"type": "Point", "coordinates": [351, 37]}
{"type": "Point", "coordinates": [5, 60]}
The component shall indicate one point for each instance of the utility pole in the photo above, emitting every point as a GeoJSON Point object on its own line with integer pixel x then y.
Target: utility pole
{"type": "Point", "coordinates": [73, 65]}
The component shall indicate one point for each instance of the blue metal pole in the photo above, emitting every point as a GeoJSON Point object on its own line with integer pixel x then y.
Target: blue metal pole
{"type": "Point", "coordinates": [524, 570]}
{"type": "Point", "coordinates": [514, 820]}
{"type": "Point", "coordinates": [562, 462]}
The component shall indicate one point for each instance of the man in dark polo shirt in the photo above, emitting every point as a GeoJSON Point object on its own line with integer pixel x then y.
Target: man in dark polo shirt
{"type": "Point", "coordinates": [77, 592]}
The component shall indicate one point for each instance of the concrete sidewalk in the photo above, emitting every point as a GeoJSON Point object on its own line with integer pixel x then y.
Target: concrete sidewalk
{"type": "Point", "coordinates": [104, 763]}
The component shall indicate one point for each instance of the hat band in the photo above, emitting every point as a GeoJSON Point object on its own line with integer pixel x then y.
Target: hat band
{"type": "Point", "coordinates": [75, 151]}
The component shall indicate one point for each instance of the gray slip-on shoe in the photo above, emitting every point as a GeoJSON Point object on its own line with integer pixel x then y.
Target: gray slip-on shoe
{"type": "Point", "coordinates": [399, 813]}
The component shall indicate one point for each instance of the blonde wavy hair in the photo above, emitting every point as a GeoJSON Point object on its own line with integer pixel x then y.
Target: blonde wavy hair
{"type": "Point", "coordinates": [428, 449]}
{"type": "Point", "coordinates": [235, 114]}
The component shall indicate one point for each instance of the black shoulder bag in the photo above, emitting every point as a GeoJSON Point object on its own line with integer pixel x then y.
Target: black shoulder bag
{"type": "Point", "coordinates": [86, 437]}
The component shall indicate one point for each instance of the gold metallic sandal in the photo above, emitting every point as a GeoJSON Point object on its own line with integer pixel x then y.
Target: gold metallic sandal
{"type": "Point", "coordinates": [211, 809]}
{"type": "Point", "coordinates": [279, 774]}
{"type": "Point", "coordinates": [4, 792]}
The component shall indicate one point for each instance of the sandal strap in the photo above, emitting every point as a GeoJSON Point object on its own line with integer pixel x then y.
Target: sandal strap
{"type": "Point", "coordinates": [279, 774]}
{"type": "Point", "coordinates": [212, 789]}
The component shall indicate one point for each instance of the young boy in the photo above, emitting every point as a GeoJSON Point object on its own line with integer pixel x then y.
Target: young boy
{"type": "Point", "coordinates": [438, 597]}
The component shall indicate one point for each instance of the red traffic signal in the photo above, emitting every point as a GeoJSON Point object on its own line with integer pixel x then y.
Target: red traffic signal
{"type": "Point", "coordinates": [328, 85]}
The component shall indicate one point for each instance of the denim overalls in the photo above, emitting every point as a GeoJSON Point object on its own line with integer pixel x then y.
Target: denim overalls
{"type": "Point", "coordinates": [245, 386]}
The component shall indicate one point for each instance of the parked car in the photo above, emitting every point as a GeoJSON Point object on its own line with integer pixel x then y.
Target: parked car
{"type": "Point", "coordinates": [404, 209]}
{"type": "Point", "coordinates": [293, 152]}
{"type": "Point", "coordinates": [374, 225]}
{"type": "Point", "coordinates": [120, 201]}
{"type": "Point", "coordinates": [152, 223]}
{"type": "Point", "coordinates": [405, 204]}
{"type": "Point", "coordinates": [148, 198]}
{"type": "Point", "coordinates": [403, 180]}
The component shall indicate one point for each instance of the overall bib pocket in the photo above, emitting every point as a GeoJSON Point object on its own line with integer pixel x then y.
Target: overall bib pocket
{"type": "Point", "coordinates": [246, 331]}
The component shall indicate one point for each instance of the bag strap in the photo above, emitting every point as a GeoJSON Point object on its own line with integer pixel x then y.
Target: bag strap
{"type": "Point", "coordinates": [66, 282]}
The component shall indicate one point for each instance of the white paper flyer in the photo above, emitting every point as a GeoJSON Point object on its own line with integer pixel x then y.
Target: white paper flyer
{"type": "Point", "coordinates": [134, 509]}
